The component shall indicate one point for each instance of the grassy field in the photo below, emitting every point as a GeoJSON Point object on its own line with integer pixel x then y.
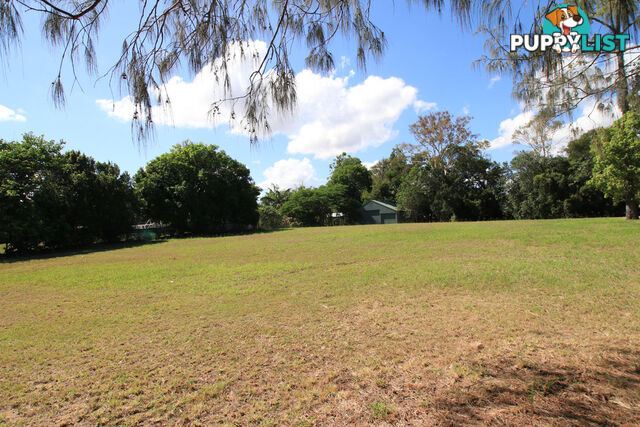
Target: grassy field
{"type": "Point", "coordinates": [505, 322]}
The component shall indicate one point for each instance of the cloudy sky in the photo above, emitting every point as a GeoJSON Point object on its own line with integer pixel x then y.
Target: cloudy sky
{"type": "Point", "coordinates": [427, 67]}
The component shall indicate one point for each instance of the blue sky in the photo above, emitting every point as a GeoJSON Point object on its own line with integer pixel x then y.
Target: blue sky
{"type": "Point", "coordinates": [427, 67]}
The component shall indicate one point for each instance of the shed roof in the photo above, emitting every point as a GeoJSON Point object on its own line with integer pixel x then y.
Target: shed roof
{"type": "Point", "coordinates": [385, 204]}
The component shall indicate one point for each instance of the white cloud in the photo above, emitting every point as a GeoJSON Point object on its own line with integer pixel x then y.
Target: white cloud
{"type": "Point", "coordinates": [344, 62]}
{"type": "Point", "coordinates": [508, 126]}
{"type": "Point", "coordinates": [465, 110]}
{"type": "Point", "coordinates": [289, 173]}
{"type": "Point", "coordinates": [9, 115]}
{"type": "Point", "coordinates": [331, 116]}
{"type": "Point", "coordinates": [590, 118]}
{"type": "Point", "coordinates": [493, 81]}
{"type": "Point", "coordinates": [369, 165]}
{"type": "Point", "coordinates": [190, 102]}
{"type": "Point", "coordinates": [422, 106]}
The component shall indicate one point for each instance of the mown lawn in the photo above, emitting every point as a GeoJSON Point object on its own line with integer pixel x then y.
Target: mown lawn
{"type": "Point", "coordinates": [507, 322]}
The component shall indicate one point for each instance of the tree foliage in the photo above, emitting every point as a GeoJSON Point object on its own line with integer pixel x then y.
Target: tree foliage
{"type": "Point", "coordinates": [538, 133]}
{"type": "Point", "coordinates": [548, 81]}
{"type": "Point", "coordinates": [470, 188]}
{"type": "Point", "coordinates": [349, 180]}
{"type": "Point", "coordinates": [387, 176]}
{"type": "Point", "coordinates": [54, 200]}
{"type": "Point", "coordinates": [196, 34]}
{"type": "Point", "coordinates": [437, 136]}
{"type": "Point", "coordinates": [616, 168]}
{"type": "Point", "coordinates": [197, 189]}
{"type": "Point", "coordinates": [307, 206]}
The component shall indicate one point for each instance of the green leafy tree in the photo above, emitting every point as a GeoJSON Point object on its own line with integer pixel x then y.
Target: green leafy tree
{"type": "Point", "coordinates": [539, 186]}
{"type": "Point", "coordinates": [437, 135]}
{"type": "Point", "coordinates": [450, 178]}
{"type": "Point", "coordinates": [387, 176]}
{"type": "Point", "coordinates": [198, 189]}
{"type": "Point", "coordinates": [86, 201]}
{"type": "Point", "coordinates": [54, 200]}
{"type": "Point", "coordinates": [616, 167]}
{"type": "Point", "coordinates": [269, 218]}
{"type": "Point", "coordinates": [471, 188]}
{"type": "Point", "coordinates": [586, 200]}
{"type": "Point", "coordinates": [307, 206]}
{"type": "Point", "coordinates": [24, 168]}
{"type": "Point", "coordinates": [349, 180]}
{"type": "Point", "coordinates": [275, 197]}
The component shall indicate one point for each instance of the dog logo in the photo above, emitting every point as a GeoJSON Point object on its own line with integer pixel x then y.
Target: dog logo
{"type": "Point", "coordinates": [565, 28]}
{"type": "Point", "coordinates": [570, 21]}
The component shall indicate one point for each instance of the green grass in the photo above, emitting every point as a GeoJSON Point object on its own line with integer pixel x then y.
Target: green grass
{"type": "Point", "coordinates": [332, 325]}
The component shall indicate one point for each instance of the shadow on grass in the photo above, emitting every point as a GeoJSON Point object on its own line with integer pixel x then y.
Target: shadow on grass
{"type": "Point", "coordinates": [100, 247]}
{"type": "Point", "coordinates": [103, 247]}
{"type": "Point", "coordinates": [605, 394]}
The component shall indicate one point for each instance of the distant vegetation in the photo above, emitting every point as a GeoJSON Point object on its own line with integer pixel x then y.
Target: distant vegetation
{"type": "Point", "coordinates": [51, 199]}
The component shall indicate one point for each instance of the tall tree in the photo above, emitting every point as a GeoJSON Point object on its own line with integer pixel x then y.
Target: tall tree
{"type": "Point", "coordinates": [616, 168]}
{"type": "Point", "coordinates": [586, 200]}
{"type": "Point", "coordinates": [307, 206]}
{"type": "Point", "coordinates": [348, 181]}
{"type": "Point", "coordinates": [53, 200]}
{"type": "Point", "coordinates": [387, 176]}
{"type": "Point", "coordinates": [538, 186]}
{"type": "Point", "coordinates": [25, 167]}
{"type": "Point", "coordinates": [275, 197]}
{"type": "Point", "coordinates": [437, 136]}
{"type": "Point", "coordinates": [198, 189]}
{"type": "Point", "coordinates": [538, 133]}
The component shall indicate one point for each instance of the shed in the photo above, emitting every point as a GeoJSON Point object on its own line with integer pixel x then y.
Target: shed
{"type": "Point", "coordinates": [377, 212]}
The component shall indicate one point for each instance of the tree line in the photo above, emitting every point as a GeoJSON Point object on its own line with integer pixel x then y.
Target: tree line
{"type": "Point", "coordinates": [445, 176]}
{"type": "Point", "coordinates": [53, 200]}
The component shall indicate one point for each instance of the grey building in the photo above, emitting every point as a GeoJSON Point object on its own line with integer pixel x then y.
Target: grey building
{"type": "Point", "coordinates": [377, 212]}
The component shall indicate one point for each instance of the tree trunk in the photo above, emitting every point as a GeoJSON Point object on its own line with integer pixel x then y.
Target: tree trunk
{"type": "Point", "coordinates": [622, 86]}
{"type": "Point", "coordinates": [632, 208]}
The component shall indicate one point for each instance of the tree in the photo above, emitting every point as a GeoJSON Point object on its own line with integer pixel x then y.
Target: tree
{"type": "Point", "coordinates": [616, 167]}
{"type": "Point", "coordinates": [450, 178]}
{"type": "Point", "coordinates": [85, 201]}
{"type": "Point", "coordinates": [348, 181]}
{"type": "Point", "coordinates": [53, 200]}
{"type": "Point", "coordinates": [549, 81]}
{"type": "Point", "coordinates": [437, 135]}
{"type": "Point", "coordinates": [275, 197]}
{"type": "Point", "coordinates": [307, 206]}
{"type": "Point", "coordinates": [269, 218]}
{"type": "Point", "coordinates": [387, 176]}
{"type": "Point", "coordinates": [471, 188]}
{"type": "Point", "coordinates": [198, 189]}
{"type": "Point", "coordinates": [586, 200]}
{"type": "Point", "coordinates": [538, 133]}
{"type": "Point", "coordinates": [24, 167]}
{"type": "Point", "coordinates": [538, 186]}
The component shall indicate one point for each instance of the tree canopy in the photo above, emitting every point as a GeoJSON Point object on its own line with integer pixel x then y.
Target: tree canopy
{"type": "Point", "coordinates": [198, 189]}
{"type": "Point", "coordinates": [616, 169]}
{"type": "Point", "coordinates": [53, 200]}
